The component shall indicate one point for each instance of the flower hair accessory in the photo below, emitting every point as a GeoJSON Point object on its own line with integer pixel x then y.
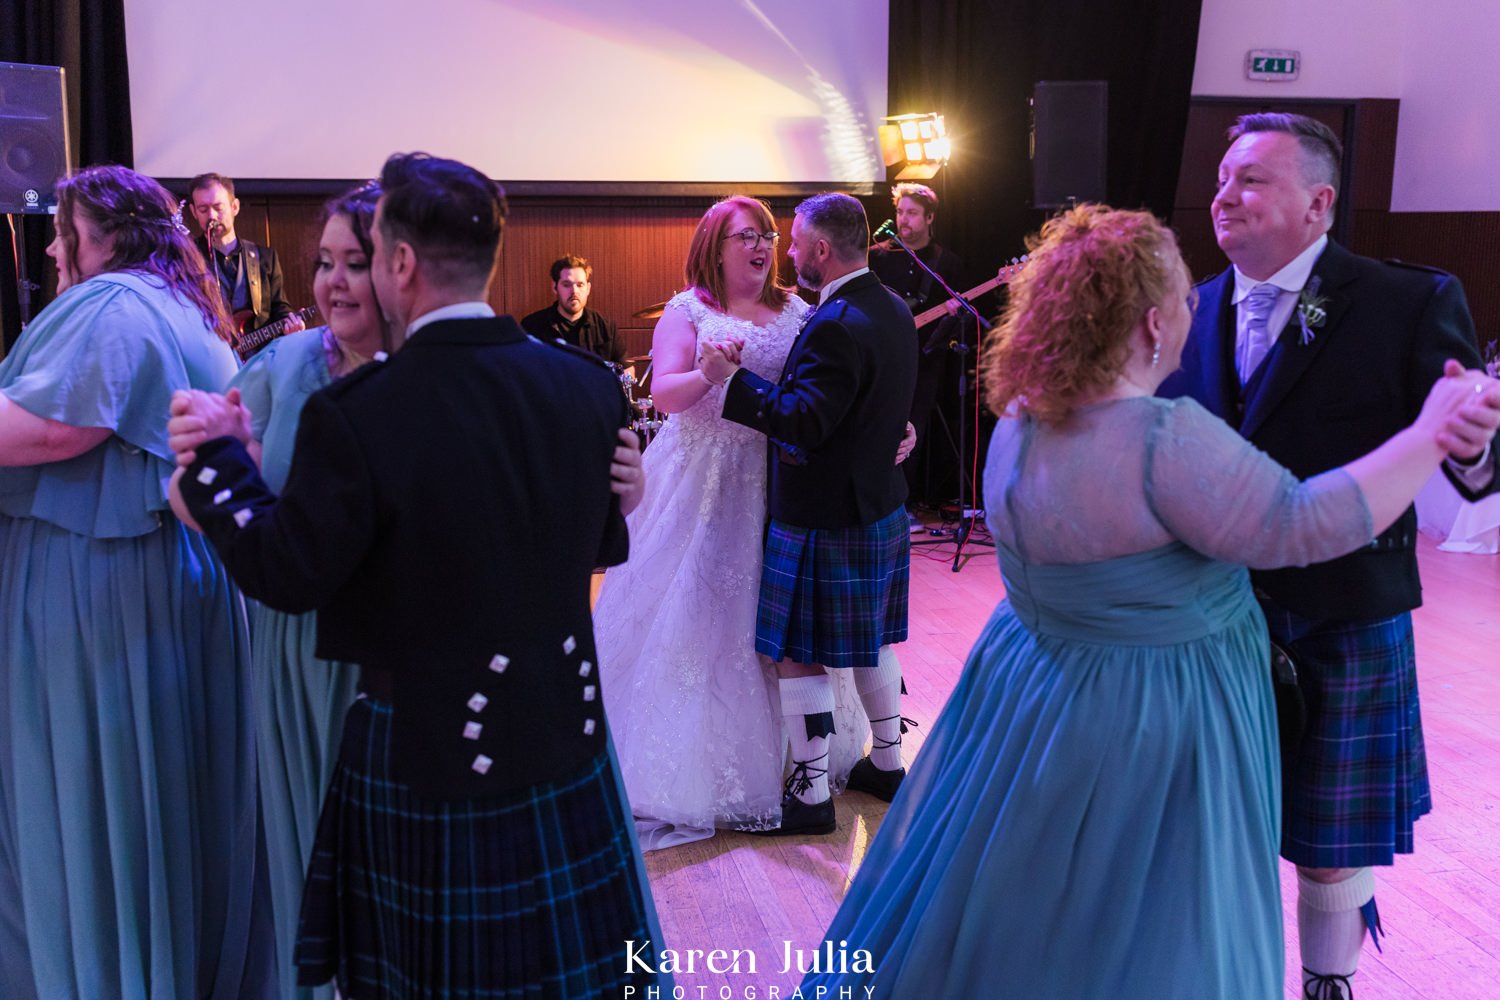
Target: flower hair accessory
{"type": "Point", "coordinates": [177, 219]}
{"type": "Point", "coordinates": [1312, 311]}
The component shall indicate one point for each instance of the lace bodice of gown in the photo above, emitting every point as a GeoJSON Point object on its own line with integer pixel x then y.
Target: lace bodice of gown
{"type": "Point", "coordinates": [1131, 521]}
{"type": "Point", "coordinates": [764, 353]}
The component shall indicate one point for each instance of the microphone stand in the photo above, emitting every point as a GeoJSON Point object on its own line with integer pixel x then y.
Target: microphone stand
{"type": "Point", "coordinates": [966, 505]}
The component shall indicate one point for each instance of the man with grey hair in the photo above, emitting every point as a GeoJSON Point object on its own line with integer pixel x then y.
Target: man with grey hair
{"type": "Point", "coordinates": [833, 591]}
{"type": "Point", "coordinates": [1317, 355]}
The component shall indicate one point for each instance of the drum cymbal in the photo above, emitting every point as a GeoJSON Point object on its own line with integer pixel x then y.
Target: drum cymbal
{"type": "Point", "coordinates": [651, 312]}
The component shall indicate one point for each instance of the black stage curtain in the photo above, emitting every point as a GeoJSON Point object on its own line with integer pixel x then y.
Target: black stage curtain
{"type": "Point", "coordinates": [976, 62]}
{"type": "Point", "coordinates": [87, 39]}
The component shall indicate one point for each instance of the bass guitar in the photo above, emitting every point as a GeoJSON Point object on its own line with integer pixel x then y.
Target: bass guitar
{"type": "Point", "coordinates": [249, 343]}
{"type": "Point", "coordinates": [1004, 276]}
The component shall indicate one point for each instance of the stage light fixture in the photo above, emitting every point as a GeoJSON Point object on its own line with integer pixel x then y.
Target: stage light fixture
{"type": "Point", "coordinates": [916, 146]}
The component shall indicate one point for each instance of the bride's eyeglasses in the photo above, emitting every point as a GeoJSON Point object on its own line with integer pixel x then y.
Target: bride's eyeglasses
{"type": "Point", "coordinates": [751, 239]}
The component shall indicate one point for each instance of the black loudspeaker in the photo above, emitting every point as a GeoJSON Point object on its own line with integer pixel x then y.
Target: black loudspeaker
{"type": "Point", "coordinates": [33, 136]}
{"type": "Point", "coordinates": [1068, 130]}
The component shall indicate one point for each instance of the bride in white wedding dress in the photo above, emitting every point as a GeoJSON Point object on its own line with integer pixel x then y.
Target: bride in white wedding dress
{"type": "Point", "coordinates": [693, 710]}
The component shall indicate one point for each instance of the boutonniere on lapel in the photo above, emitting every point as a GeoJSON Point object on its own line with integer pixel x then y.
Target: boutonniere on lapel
{"type": "Point", "coordinates": [1312, 310]}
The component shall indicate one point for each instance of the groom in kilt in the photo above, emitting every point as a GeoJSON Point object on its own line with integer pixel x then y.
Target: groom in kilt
{"type": "Point", "coordinates": [833, 592]}
{"type": "Point", "coordinates": [443, 514]}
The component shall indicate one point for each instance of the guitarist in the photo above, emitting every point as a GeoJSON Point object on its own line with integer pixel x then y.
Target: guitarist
{"type": "Point", "coordinates": [916, 209]}
{"type": "Point", "coordinates": [249, 274]}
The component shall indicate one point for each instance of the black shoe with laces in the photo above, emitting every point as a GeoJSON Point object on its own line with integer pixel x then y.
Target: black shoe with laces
{"type": "Point", "coordinates": [866, 777]}
{"type": "Point", "coordinates": [797, 817]}
{"type": "Point", "coordinates": [1321, 987]}
{"type": "Point", "coordinates": [800, 819]}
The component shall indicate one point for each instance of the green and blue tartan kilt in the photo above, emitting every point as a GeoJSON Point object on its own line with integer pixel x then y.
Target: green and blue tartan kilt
{"type": "Point", "coordinates": [1358, 782]}
{"type": "Point", "coordinates": [530, 894]}
{"type": "Point", "coordinates": [834, 596]}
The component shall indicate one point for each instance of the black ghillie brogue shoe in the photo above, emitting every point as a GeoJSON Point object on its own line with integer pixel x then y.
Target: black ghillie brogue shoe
{"type": "Point", "coordinates": [866, 777]}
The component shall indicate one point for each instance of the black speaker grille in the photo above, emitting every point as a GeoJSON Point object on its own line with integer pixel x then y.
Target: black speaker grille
{"type": "Point", "coordinates": [33, 136]}
{"type": "Point", "coordinates": [1070, 120]}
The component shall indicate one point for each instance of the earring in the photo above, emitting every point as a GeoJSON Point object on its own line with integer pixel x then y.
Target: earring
{"type": "Point", "coordinates": [1155, 353]}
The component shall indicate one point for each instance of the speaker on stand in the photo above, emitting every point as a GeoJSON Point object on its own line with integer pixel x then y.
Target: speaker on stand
{"type": "Point", "coordinates": [34, 155]}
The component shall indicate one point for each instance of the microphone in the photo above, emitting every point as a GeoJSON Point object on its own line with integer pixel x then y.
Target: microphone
{"type": "Point", "coordinates": [887, 231]}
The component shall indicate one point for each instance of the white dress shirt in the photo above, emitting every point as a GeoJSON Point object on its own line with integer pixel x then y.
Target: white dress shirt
{"type": "Point", "coordinates": [1289, 281]}
{"type": "Point", "coordinates": [826, 292]}
{"type": "Point", "coordinates": [458, 310]}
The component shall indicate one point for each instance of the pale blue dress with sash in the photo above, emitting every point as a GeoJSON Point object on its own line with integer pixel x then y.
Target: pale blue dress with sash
{"type": "Point", "coordinates": [128, 821]}
{"type": "Point", "coordinates": [300, 700]}
{"type": "Point", "coordinates": [1096, 811]}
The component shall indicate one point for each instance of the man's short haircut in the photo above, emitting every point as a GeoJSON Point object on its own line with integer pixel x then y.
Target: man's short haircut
{"type": "Point", "coordinates": [1321, 150]}
{"type": "Point", "coordinates": [562, 264]}
{"type": "Point", "coordinates": [839, 219]}
{"type": "Point", "coordinates": [919, 193]}
{"type": "Point", "coordinates": [209, 179]}
{"type": "Point", "coordinates": [450, 213]}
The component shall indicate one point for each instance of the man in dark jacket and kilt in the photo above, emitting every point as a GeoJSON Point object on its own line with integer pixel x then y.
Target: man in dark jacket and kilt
{"type": "Point", "coordinates": [444, 512]}
{"type": "Point", "coordinates": [833, 591]}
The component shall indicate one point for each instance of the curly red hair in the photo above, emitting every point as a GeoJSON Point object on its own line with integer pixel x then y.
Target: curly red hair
{"type": "Point", "coordinates": [1092, 273]}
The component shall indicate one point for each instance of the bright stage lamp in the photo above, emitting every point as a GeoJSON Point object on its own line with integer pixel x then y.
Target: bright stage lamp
{"type": "Point", "coordinates": [915, 145]}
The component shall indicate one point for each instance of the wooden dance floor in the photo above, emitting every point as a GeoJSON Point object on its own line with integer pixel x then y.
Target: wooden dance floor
{"type": "Point", "coordinates": [1440, 906]}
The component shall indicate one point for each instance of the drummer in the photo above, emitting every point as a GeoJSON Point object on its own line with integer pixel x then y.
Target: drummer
{"type": "Point", "coordinates": [569, 318]}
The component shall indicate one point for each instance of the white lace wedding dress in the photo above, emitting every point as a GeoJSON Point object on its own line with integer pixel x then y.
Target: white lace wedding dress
{"type": "Point", "coordinates": [693, 709]}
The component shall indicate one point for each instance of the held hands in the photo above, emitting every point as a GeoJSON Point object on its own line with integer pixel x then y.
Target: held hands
{"type": "Point", "coordinates": [719, 359]}
{"type": "Point", "coordinates": [1462, 411]}
{"type": "Point", "coordinates": [199, 416]}
{"type": "Point", "coordinates": [626, 478]}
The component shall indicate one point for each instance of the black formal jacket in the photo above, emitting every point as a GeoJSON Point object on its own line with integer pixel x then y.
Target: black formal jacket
{"type": "Point", "coordinates": [443, 514]}
{"type": "Point", "coordinates": [839, 411]}
{"type": "Point", "coordinates": [1314, 407]}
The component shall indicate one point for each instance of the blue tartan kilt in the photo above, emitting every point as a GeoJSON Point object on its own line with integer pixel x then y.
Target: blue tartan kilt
{"type": "Point", "coordinates": [530, 894]}
{"type": "Point", "coordinates": [1358, 782]}
{"type": "Point", "coordinates": [834, 596]}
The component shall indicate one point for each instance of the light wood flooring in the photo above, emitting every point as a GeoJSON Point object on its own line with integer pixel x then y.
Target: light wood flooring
{"type": "Point", "coordinates": [1441, 905]}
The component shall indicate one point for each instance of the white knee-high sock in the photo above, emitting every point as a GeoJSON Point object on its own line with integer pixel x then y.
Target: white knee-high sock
{"type": "Point", "coordinates": [801, 697]}
{"type": "Point", "coordinates": [880, 693]}
{"type": "Point", "coordinates": [1330, 928]}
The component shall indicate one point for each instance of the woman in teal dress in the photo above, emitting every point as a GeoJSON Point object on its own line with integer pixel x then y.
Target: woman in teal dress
{"type": "Point", "coordinates": [300, 700]}
{"type": "Point", "coordinates": [128, 826]}
{"type": "Point", "coordinates": [1096, 811]}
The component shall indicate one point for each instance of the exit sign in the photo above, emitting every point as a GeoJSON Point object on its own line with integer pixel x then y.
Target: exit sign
{"type": "Point", "coordinates": [1272, 64]}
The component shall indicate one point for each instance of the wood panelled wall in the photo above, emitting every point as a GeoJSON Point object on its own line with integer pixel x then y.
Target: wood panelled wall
{"type": "Point", "coordinates": [637, 246]}
{"type": "Point", "coordinates": [1465, 243]}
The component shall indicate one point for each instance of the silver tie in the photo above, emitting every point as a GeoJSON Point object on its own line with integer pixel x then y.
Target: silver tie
{"type": "Point", "coordinates": [1257, 305]}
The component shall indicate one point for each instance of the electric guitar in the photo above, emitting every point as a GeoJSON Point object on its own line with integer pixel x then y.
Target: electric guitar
{"type": "Point", "coordinates": [1004, 277]}
{"type": "Point", "coordinates": [249, 343]}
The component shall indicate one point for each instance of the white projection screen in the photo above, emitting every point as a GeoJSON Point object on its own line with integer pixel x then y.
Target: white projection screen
{"type": "Point", "coordinates": [772, 91]}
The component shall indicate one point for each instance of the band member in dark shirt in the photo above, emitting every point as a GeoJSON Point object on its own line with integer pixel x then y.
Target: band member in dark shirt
{"type": "Point", "coordinates": [916, 210]}
{"type": "Point", "coordinates": [569, 318]}
{"type": "Point", "coordinates": [249, 274]}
